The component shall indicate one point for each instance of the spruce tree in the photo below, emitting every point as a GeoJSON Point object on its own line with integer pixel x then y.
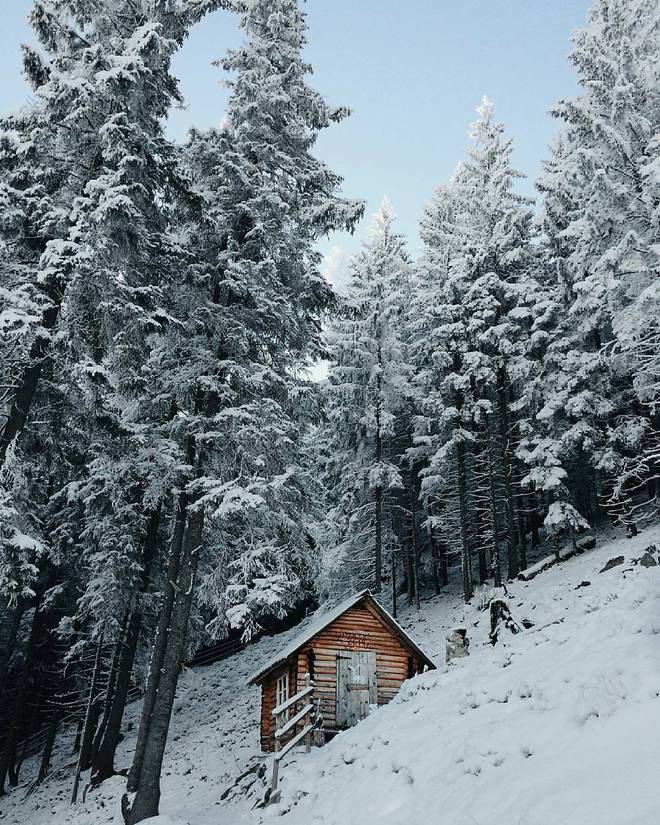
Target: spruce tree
{"type": "Point", "coordinates": [366, 393]}
{"type": "Point", "coordinates": [254, 297]}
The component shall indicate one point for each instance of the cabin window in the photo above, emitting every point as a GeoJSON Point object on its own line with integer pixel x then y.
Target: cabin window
{"type": "Point", "coordinates": [282, 689]}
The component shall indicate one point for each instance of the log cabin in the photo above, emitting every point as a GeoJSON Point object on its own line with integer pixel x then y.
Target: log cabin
{"type": "Point", "coordinates": [356, 655]}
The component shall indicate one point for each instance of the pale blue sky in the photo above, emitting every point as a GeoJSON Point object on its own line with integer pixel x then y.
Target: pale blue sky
{"type": "Point", "coordinates": [413, 71]}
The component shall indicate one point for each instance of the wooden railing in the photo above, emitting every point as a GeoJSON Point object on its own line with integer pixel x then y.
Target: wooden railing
{"type": "Point", "coordinates": [301, 716]}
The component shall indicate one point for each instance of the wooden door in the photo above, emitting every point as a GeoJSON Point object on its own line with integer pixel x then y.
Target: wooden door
{"type": "Point", "coordinates": [356, 686]}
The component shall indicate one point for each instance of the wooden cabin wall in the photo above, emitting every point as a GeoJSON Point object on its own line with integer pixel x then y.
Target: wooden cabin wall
{"type": "Point", "coordinates": [268, 699]}
{"type": "Point", "coordinates": [360, 628]}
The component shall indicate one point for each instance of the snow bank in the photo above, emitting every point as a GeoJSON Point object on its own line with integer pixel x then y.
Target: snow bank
{"type": "Point", "coordinates": [558, 726]}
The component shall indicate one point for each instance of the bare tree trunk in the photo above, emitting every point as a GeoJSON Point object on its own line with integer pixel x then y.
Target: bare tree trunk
{"type": "Point", "coordinates": [532, 506]}
{"type": "Point", "coordinates": [15, 768]}
{"type": "Point", "coordinates": [444, 563]}
{"type": "Point", "coordinates": [44, 766]}
{"type": "Point", "coordinates": [505, 424]}
{"type": "Point", "coordinates": [91, 717]}
{"type": "Point", "coordinates": [22, 401]}
{"type": "Point", "coordinates": [393, 584]}
{"type": "Point", "coordinates": [522, 540]}
{"type": "Point", "coordinates": [12, 635]}
{"type": "Point", "coordinates": [112, 681]}
{"type": "Point", "coordinates": [483, 564]}
{"type": "Point", "coordinates": [78, 739]}
{"type": "Point", "coordinates": [109, 732]}
{"type": "Point", "coordinates": [466, 561]}
{"type": "Point", "coordinates": [160, 643]}
{"type": "Point", "coordinates": [378, 494]}
{"type": "Point", "coordinates": [147, 791]}
{"type": "Point", "coordinates": [434, 552]}
{"type": "Point", "coordinates": [410, 526]}
{"type": "Point", "coordinates": [378, 548]}
{"type": "Point", "coordinates": [8, 755]}
{"type": "Point", "coordinates": [495, 550]}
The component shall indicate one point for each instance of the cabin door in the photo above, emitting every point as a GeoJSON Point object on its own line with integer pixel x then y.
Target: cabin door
{"type": "Point", "coordinates": [356, 686]}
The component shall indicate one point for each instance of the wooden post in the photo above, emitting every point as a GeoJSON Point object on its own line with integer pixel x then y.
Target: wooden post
{"type": "Point", "coordinates": [307, 721]}
{"type": "Point", "coordinates": [276, 768]}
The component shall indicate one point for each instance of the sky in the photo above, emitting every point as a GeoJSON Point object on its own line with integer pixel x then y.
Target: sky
{"type": "Point", "coordinates": [413, 73]}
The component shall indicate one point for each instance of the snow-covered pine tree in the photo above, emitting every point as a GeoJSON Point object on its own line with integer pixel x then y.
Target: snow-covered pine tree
{"type": "Point", "coordinates": [86, 182]}
{"type": "Point", "coordinates": [255, 298]}
{"type": "Point", "coordinates": [470, 342]}
{"type": "Point", "coordinates": [367, 390]}
{"type": "Point", "coordinates": [129, 269]}
{"type": "Point", "coordinates": [613, 152]}
{"type": "Point", "coordinates": [600, 225]}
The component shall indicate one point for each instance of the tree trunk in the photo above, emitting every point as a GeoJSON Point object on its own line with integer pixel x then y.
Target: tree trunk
{"type": "Point", "coordinates": [91, 718]}
{"type": "Point", "coordinates": [107, 740]}
{"type": "Point", "coordinates": [12, 635]}
{"type": "Point", "coordinates": [15, 768]}
{"type": "Point", "coordinates": [147, 792]}
{"type": "Point", "coordinates": [378, 542]}
{"type": "Point", "coordinates": [532, 506]}
{"type": "Point", "coordinates": [522, 540]}
{"type": "Point", "coordinates": [483, 564]}
{"type": "Point", "coordinates": [160, 643]}
{"type": "Point", "coordinates": [412, 520]}
{"type": "Point", "coordinates": [22, 401]}
{"type": "Point", "coordinates": [8, 756]}
{"type": "Point", "coordinates": [466, 561]}
{"type": "Point", "coordinates": [505, 424]}
{"type": "Point", "coordinates": [112, 682]}
{"type": "Point", "coordinates": [44, 766]}
{"type": "Point", "coordinates": [492, 501]}
{"type": "Point", "coordinates": [393, 584]}
{"type": "Point", "coordinates": [378, 494]}
{"type": "Point", "coordinates": [77, 740]}
{"type": "Point", "coordinates": [444, 562]}
{"type": "Point", "coordinates": [436, 562]}
{"type": "Point", "coordinates": [109, 731]}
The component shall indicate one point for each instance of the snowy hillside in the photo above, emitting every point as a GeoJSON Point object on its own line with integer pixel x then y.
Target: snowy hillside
{"type": "Point", "coordinates": [558, 724]}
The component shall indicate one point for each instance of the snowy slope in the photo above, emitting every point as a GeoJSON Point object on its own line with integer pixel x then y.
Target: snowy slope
{"type": "Point", "coordinates": [559, 724]}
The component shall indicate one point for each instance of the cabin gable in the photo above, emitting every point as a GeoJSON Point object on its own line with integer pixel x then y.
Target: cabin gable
{"type": "Point", "coordinates": [358, 629]}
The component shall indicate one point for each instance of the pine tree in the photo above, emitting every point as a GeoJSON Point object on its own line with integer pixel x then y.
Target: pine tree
{"type": "Point", "coordinates": [254, 296]}
{"type": "Point", "coordinates": [593, 433]}
{"type": "Point", "coordinates": [470, 346]}
{"type": "Point", "coordinates": [367, 391]}
{"type": "Point", "coordinates": [86, 188]}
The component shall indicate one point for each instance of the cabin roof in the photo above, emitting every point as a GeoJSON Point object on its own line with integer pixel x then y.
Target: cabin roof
{"type": "Point", "coordinates": [320, 623]}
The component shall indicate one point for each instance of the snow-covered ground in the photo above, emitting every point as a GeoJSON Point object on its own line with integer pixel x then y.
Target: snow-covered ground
{"type": "Point", "coordinates": [558, 725]}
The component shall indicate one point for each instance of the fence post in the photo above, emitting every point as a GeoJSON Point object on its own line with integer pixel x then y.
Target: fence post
{"type": "Point", "coordinates": [308, 716]}
{"type": "Point", "coordinates": [276, 761]}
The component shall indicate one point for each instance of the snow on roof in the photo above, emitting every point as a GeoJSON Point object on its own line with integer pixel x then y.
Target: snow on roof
{"type": "Point", "coordinates": [322, 621]}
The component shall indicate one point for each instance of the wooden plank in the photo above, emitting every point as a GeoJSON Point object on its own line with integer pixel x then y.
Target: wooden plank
{"type": "Point", "coordinates": [300, 695]}
{"type": "Point", "coordinates": [296, 739]}
{"type": "Point", "coordinates": [293, 721]}
{"type": "Point", "coordinates": [356, 686]}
